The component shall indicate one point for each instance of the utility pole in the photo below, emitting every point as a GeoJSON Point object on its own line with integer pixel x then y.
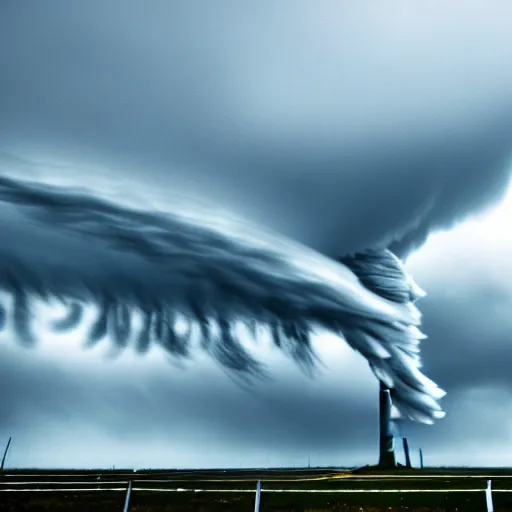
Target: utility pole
{"type": "Point", "coordinates": [387, 457]}
{"type": "Point", "coordinates": [5, 454]}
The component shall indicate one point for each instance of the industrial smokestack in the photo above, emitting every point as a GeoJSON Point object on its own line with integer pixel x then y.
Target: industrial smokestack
{"type": "Point", "coordinates": [387, 457]}
{"type": "Point", "coordinates": [407, 455]}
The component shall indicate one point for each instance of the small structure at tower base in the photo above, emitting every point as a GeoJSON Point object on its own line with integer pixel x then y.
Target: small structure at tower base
{"type": "Point", "coordinates": [407, 454]}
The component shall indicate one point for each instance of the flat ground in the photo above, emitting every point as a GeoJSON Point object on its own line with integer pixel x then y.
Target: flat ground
{"type": "Point", "coordinates": [283, 490]}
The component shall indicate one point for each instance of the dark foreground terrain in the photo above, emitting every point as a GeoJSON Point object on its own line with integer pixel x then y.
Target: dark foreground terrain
{"type": "Point", "coordinates": [293, 490]}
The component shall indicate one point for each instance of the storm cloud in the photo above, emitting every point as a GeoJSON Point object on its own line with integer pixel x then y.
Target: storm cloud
{"type": "Point", "coordinates": [341, 125]}
{"type": "Point", "coordinates": [301, 117]}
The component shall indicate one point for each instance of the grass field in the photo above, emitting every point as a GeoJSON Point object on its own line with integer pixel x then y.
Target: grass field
{"type": "Point", "coordinates": [312, 490]}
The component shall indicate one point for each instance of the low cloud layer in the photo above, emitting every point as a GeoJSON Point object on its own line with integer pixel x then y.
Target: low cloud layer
{"type": "Point", "coordinates": [150, 413]}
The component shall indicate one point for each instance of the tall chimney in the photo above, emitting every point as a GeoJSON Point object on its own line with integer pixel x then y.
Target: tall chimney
{"type": "Point", "coordinates": [387, 457]}
{"type": "Point", "coordinates": [407, 455]}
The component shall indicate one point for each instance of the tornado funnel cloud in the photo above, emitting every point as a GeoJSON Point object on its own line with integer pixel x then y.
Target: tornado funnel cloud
{"type": "Point", "coordinates": [211, 270]}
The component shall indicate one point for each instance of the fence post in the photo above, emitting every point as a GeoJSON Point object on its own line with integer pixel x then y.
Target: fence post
{"type": "Point", "coordinates": [258, 495]}
{"type": "Point", "coordinates": [488, 497]}
{"type": "Point", "coordinates": [5, 454]}
{"type": "Point", "coordinates": [128, 495]}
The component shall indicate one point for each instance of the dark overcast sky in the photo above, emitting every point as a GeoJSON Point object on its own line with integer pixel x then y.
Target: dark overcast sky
{"type": "Point", "coordinates": [340, 124]}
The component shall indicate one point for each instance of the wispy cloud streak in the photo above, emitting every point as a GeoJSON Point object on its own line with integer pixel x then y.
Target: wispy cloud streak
{"type": "Point", "coordinates": [69, 245]}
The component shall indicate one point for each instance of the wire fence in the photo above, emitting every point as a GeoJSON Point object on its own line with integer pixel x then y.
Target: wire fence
{"type": "Point", "coordinates": [134, 486]}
